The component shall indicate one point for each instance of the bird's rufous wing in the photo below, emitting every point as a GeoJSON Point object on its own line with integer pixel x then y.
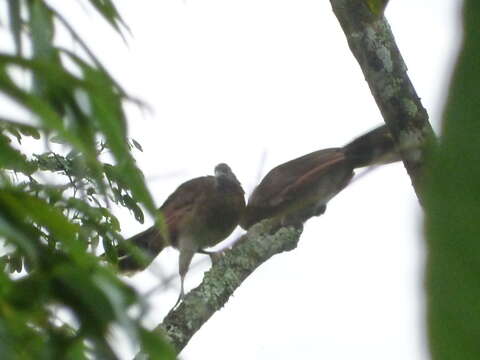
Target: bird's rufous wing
{"type": "Point", "coordinates": [291, 177]}
{"type": "Point", "coordinates": [181, 204]}
{"type": "Point", "coordinates": [319, 172]}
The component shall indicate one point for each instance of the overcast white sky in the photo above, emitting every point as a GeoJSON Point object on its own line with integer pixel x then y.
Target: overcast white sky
{"type": "Point", "coordinates": [239, 81]}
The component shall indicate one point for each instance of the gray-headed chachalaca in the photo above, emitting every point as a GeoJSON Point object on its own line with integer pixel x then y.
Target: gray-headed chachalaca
{"type": "Point", "coordinates": [199, 214]}
{"type": "Point", "coordinates": [300, 188]}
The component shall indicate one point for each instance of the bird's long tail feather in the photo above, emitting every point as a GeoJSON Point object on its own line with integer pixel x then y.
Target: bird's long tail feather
{"type": "Point", "coordinates": [140, 250]}
{"type": "Point", "coordinates": [374, 147]}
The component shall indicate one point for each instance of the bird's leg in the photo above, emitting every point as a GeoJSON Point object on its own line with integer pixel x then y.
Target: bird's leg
{"type": "Point", "coordinates": [215, 256]}
{"type": "Point", "coordinates": [181, 295]}
{"type": "Point", "coordinates": [184, 261]}
{"type": "Point", "coordinates": [295, 220]}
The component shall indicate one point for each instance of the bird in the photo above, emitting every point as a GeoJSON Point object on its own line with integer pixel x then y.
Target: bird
{"type": "Point", "coordinates": [300, 188]}
{"type": "Point", "coordinates": [199, 214]}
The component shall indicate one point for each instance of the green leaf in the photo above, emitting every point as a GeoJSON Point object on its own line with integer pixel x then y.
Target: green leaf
{"type": "Point", "coordinates": [131, 204]}
{"type": "Point", "coordinates": [16, 233]}
{"type": "Point", "coordinates": [120, 297]}
{"type": "Point", "coordinates": [107, 109]}
{"type": "Point", "coordinates": [453, 210]}
{"type": "Point", "coordinates": [90, 54]}
{"type": "Point", "coordinates": [13, 159]}
{"type": "Point", "coordinates": [77, 290]}
{"type": "Point", "coordinates": [137, 145]}
{"type": "Point", "coordinates": [58, 140]}
{"type": "Point", "coordinates": [110, 251]}
{"type": "Point", "coordinates": [29, 131]}
{"type": "Point", "coordinates": [45, 112]}
{"type": "Point", "coordinates": [14, 9]}
{"type": "Point", "coordinates": [156, 346]}
{"type": "Point", "coordinates": [41, 24]}
{"type": "Point", "coordinates": [14, 263]}
{"type": "Point", "coordinates": [44, 215]}
{"type": "Point", "coordinates": [111, 219]}
{"type": "Point", "coordinates": [17, 129]}
{"type": "Point", "coordinates": [109, 12]}
{"type": "Point", "coordinates": [12, 131]}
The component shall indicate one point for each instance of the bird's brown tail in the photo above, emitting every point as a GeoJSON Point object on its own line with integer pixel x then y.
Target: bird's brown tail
{"type": "Point", "coordinates": [374, 147]}
{"type": "Point", "coordinates": [140, 250]}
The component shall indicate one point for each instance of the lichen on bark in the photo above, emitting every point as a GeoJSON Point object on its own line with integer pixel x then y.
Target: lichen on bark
{"type": "Point", "coordinates": [372, 43]}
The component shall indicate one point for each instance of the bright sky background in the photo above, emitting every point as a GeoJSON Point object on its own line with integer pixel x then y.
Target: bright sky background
{"type": "Point", "coordinates": [255, 84]}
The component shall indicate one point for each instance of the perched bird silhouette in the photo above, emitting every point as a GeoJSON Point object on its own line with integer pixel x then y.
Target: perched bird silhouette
{"type": "Point", "coordinates": [198, 214]}
{"type": "Point", "coordinates": [298, 189]}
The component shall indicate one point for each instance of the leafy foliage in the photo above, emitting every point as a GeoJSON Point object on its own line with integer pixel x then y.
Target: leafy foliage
{"type": "Point", "coordinates": [55, 205]}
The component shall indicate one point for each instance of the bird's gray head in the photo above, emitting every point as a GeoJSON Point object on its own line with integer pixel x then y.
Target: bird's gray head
{"type": "Point", "coordinates": [223, 172]}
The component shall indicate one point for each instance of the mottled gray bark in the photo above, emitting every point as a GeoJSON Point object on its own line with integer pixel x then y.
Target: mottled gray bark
{"type": "Point", "coordinates": [260, 243]}
{"type": "Point", "coordinates": [371, 41]}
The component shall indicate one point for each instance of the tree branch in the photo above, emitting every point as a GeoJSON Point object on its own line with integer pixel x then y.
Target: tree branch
{"type": "Point", "coordinates": [259, 244]}
{"type": "Point", "coordinates": [371, 42]}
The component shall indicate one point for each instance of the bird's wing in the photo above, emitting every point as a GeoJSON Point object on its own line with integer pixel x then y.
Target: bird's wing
{"type": "Point", "coordinates": [187, 193]}
{"type": "Point", "coordinates": [286, 180]}
{"type": "Point", "coordinates": [181, 203]}
{"type": "Point", "coordinates": [317, 173]}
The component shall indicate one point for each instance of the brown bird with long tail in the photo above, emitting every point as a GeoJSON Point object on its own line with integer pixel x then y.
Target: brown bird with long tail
{"type": "Point", "coordinates": [198, 214]}
{"type": "Point", "coordinates": [298, 189]}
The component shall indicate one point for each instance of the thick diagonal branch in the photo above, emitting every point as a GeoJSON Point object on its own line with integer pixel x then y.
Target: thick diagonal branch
{"type": "Point", "coordinates": [225, 276]}
{"type": "Point", "coordinates": [371, 42]}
